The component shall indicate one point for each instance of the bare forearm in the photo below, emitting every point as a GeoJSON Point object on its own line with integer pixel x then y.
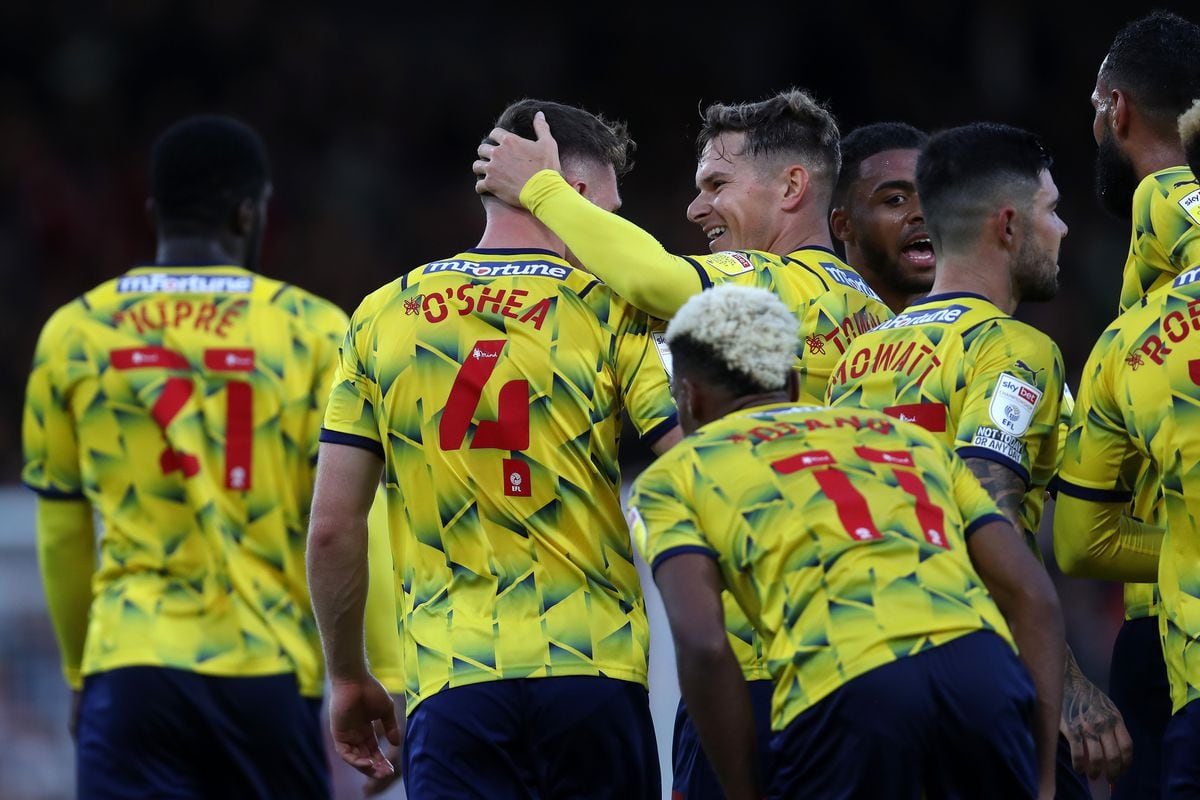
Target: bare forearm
{"type": "Point", "coordinates": [1039, 637]}
{"type": "Point", "coordinates": [1004, 486]}
{"type": "Point", "coordinates": [719, 704]}
{"type": "Point", "coordinates": [338, 580]}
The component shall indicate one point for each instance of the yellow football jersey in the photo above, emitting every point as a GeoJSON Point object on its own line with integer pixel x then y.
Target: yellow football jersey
{"type": "Point", "coordinates": [989, 385]}
{"type": "Point", "coordinates": [492, 385]}
{"type": "Point", "coordinates": [1138, 400]}
{"type": "Point", "coordinates": [1164, 243]}
{"type": "Point", "coordinates": [832, 301]}
{"type": "Point", "coordinates": [185, 403]}
{"type": "Point", "coordinates": [841, 533]}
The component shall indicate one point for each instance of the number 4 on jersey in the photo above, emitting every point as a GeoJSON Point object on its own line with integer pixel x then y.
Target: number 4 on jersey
{"type": "Point", "coordinates": [510, 429]}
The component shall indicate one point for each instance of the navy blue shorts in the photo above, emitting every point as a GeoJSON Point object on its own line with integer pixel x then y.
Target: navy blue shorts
{"type": "Point", "coordinates": [572, 737]}
{"type": "Point", "coordinates": [1181, 754]}
{"type": "Point", "coordinates": [692, 776]}
{"type": "Point", "coordinates": [1138, 686]}
{"type": "Point", "coordinates": [168, 733]}
{"type": "Point", "coordinates": [951, 722]}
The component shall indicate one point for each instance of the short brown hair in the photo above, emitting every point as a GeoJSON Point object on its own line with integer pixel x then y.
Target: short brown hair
{"type": "Point", "coordinates": [580, 134]}
{"type": "Point", "coordinates": [790, 122]}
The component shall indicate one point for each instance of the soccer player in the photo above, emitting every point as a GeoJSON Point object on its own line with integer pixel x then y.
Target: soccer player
{"type": "Point", "coordinates": [1148, 78]}
{"type": "Point", "coordinates": [181, 402]}
{"type": "Point", "coordinates": [487, 388]}
{"type": "Point", "coordinates": [864, 552]}
{"type": "Point", "coordinates": [958, 364]}
{"type": "Point", "coordinates": [877, 214]}
{"type": "Point", "coordinates": [764, 178]}
{"type": "Point", "coordinates": [1137, 401]}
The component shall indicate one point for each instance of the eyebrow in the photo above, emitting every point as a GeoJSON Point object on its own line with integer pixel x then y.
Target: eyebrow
{"type": "Point", "coordinates": [908, 186]}
{"type": "Point", "coordinates": [712, 176]}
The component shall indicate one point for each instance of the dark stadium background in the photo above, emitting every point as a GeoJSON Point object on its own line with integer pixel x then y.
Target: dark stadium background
{"type": "Point", "coordinates": [371, 113]}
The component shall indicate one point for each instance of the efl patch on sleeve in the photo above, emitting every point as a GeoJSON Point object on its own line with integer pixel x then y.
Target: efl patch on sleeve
{"type": "Point", "coordinates": [1013, 403]}
{"type": "Point", "coordinates": [664, 351]}
{"type": "Point", "coordinates": [1000, 442]}
{"type": "Point", "coordinates": [1191, 204]}
{"type": "Point", "coordinates": [730, 262]}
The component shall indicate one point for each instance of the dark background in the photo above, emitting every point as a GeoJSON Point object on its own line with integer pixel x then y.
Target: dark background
{"type": "Point", "coordinates": [371, 113]}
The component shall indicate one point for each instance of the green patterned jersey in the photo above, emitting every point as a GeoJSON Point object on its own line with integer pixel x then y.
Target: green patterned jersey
{"type": "Point", "coordinates": [185, 404]}
{"type": "Point", "coordinates": [1140, 399]}
{"type": "Point", "coordinates": [492, 385]}
{"type": "Point", "coordinates": [955, 364]}
{"type": "Point", "coordinates": [832, 301]}
{"type": "Point", "coordinates": [1164, 243]}
{"type": "Point", "coordinates": [841, 533]}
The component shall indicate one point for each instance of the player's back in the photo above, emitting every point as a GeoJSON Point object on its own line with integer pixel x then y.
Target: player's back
{"type": "Point", "coordinates": [832, 301]}
{"type": "Point", "coordinates": [496, 381]}
{"type": "Point", "coordinates": [184, 403]}
{"type": "Point", "coordinates": [1166, 233]}
{"type": "Point", "coordinates": [987, 384]}
{"type": "Point", "coordinates": [840, 532]}
{"type": "Point", "coordinates": [1140, 392]}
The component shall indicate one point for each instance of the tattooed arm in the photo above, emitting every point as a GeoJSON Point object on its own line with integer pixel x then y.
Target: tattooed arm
{"type": "Point", "coordinates": [1100, 744]}
{"type": "Point", "coordinates": [1006, 487]}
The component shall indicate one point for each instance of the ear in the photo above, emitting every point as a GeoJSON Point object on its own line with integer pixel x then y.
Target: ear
{"type": "Point", "coordinates": [793, 385]}
{"type": "Point", "coordinates": [795, 187]}
{"type": "Point", "coordinates": [1005, 224]}
{"type": "Point", "coordinates": [1119, 113]}
{"type": "Point", "coordinates": [840, 224]}
{"type": "Point", "coordinates": [245, 217]}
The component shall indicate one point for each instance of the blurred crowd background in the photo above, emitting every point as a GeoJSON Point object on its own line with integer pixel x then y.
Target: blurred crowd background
{"type": "Point", "coordinates": [371, 113]}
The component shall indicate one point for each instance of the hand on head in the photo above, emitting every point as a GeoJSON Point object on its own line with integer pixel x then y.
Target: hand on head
{"type": "Point", "coordinates": [507, 161]}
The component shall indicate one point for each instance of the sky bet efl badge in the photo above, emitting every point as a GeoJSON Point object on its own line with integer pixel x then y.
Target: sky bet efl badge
{"type": "Point", "coordinates": [1013, 404]}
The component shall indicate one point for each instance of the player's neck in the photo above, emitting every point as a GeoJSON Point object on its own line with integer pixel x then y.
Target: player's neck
{"type": "Point", "coordinates": [508, 228]}
{"type": "Point", "coordinates": [196, 250]}
{"type": "Point", "coordinates": [799, 235]}
{"type": "Point", "coordinates": [1156, 156]}
{"type": "Point", "coordinates": [976, 274]}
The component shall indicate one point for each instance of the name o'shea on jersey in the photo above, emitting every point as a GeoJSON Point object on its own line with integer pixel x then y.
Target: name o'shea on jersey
{"type": "Point", "coordinates": [472, 298]}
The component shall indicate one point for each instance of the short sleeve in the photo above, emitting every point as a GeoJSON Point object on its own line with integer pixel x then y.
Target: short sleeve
{"type": "Point", "coordinates": [642, 364]}
{"type": "Point", "coordinates": [1010, 411]}
{"type": "Point", "coordinates": [350, 417]}
{"type": "Point", "coordinates": [660, 515]}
